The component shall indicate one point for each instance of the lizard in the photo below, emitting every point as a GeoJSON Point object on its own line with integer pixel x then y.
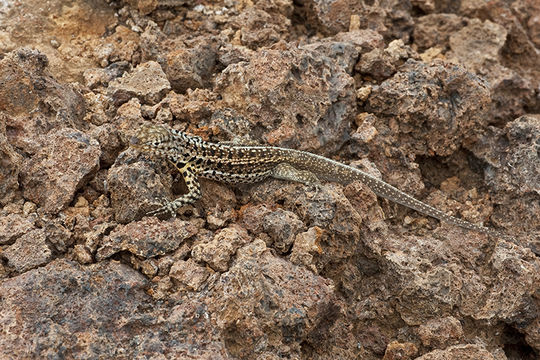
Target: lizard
{"type": "Point", "coordinates": [193, 158]}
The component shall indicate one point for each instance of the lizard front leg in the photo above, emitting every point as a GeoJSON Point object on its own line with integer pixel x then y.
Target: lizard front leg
{"type": "Point", "coordinates": [194, 192]}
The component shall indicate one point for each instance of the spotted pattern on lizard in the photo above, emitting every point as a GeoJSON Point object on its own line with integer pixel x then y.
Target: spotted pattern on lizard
{"type": "Point", "coordinates": [194, 158]}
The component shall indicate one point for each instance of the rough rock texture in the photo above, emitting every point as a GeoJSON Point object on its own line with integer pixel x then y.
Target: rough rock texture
{"type": "Point", "coordinates": [147, 238]}
{"type": "Point", "coordinates": [110, 308]}
{"type": "Point", "coordinates": [439, 98]}
{"type": "Point", "coordinates": [29, 251]}
{"type": "Point", "coordinates": [52, 176]}
{"type": "Point", "coordinates": [297, 108]}
{"type": "Point", "coordinates": [147, 82]}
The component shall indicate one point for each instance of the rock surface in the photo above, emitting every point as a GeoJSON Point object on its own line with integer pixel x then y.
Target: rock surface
{"type": "Point", "coordinates": [438, 98]}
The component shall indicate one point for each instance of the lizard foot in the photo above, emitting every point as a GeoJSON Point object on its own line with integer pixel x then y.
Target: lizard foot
{"type": "Point", "coordinates": [166, 210]}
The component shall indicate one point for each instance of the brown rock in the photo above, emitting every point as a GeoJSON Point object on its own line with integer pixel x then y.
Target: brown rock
{"type": "Point", "coordinates": [190, 68]}
{"type": "Point", "coordinates": [103, 307]}
{"type": "Point", "coordinates": [521, 157]}
{"type": "Point", "coordinates": [189, 274]}
{"type": "Point", "coordinates": [305, 112]}
{"type": "Point", "coordinates": [381, 64]}
{"type": "Point", "coordinates": [266, 304]}
{"type": "Point", "coordinates": [331, 17]}
{"type": "Point", "coordinates": [68, 37]}
{"type": "Point", "coordinates": [147, 82]}
{"type": "Point", "coordinates": [364, 40]}
{"type": "Point", "coordinates": [146, 238]}
{"type": "Point", "coordinates": [441, 332]}
{"type": "Point", "coordinates": [135, 189]}
{"type": "Point", "coordinates": [110, 143]}
{"type": "Point", "coordinates": [52, 176]}
{"type": "Point", "coordinates": [193, 107]}
{"type": "Point", "coordinates": [251, 217]}
{"type": "Point", "coordinates": [19, 76]}
{"type": "Point", "coordinates": [12, 226]}
{"type": "Point", "coordinates": [29, 251]}
{"type": "Point", "coordinates": [306, 246]}
{"type": "Point", "coordinates": [532, 334]}
{"type": "Point", "coordinates": [478, 44]}
{"type": "Point", "coordinates": [464, 141]}
{"type": "Point", "coordinates": [400, 351]}
{"type": "Point", "coordinates": [122, 45]}
{"type": "Point", "coordinates": [219, 202]}
{"type": "Point", "coordinates": [248, 22]}
{"type": "Point", "coordinates": [10, 162]}
{"type": "Point", "coordinates": [434, 30]}
{"type": "Point", "coordinates": [232, 54]}
{"type": "Point", "coordinates": [456, 106]}
{"type": "Point", "coordinates": [344, 53]}
{"type": "Point", "coordinates": [96, 77]}
{"type": "Point", "coordinates": [217, 253]}
{"type": "Point", "coordinates": [513, 87]}
{"type": "Point", "coordinates": [58, 236]}
{"type": "Point", "coordinates": [513, 268]}
{"type": "Point", "coordinates": [282, 227]}
{"type": "Point", "coordinates": [33, 102]}
{"type": "Point", "coordinates": [465, 352]}
{"type": "Point", "coordinates": [514, 171]}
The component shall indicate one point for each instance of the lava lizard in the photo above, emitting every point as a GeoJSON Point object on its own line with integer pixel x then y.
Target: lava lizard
{"type": "Point", "coordinates": [194, 158]}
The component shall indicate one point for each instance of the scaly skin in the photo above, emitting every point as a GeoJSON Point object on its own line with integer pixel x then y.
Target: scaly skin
{"type": "Point", "coordinates": [196, 158]}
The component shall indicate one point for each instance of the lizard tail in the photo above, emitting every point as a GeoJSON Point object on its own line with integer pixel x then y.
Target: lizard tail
{"type": "Point", "coordinates": [336, 171]}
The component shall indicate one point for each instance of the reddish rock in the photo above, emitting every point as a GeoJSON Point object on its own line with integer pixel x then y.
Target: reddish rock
{"type": "Point", "coordinates": [458, 100]}
{"type": "Point", "coordinates": [10, 162]}
{"type": "Point", "coordinates": [219, 202]}
{"type": "Point", "coordinates": [189, 274]}
{"type": "Point", "coordinates": [12, 226]}
{"type": "Point", "coordinates": [218, 252]}
{"type": "Point", "coordinates": [33, 102]}
{"type": "Point", "coordinates": [306, 246]}
{"type": "Point", "coordinates": [147, 82]}
{"type": "Point", "coordinates": [518, 164]}
{"type": "Point", "coordinates": [303, 111]}
{"type": "Point", "coordinates": [135, 190]}
{"type": "Point", "coordinates": [282, 227]}
{"type": "Point", "coordinates": [440, 333]}
{"type": "Point", "coordinates": [29, 251]}
{"type": "Point", "coordinates": [268, 72]}
{"type": "Point", "coordinates": [466, 352]}
{"type": "Point", "coordinates": [479, 47]}
{"type": "Point", "coordinates": [249, 21]}
{"type": "Point", "coordinates": [110, 143]}
{"type": "Point", "coordinates": [65, 164]}
{"type": "Point", "coordinates": [266, 304]}
{"type": "Point", "coordinates": [434, 30]}
{"type": "Point", "coordinates": [364, 40]}
{"type": "Point", "coordinates": [102, 308]}
{"type": "Point", "coordinates": [122, 45]}
{"type": "Point", "coordinates": [146, 238]}
{"type": "Point", "coordinates": [513, 96]}
{"type": "Point", "coordinates": [381, 64]}
{"type": "Point", "coordinates": [190, 68]}
{"type": "Point", "coordinates": [391, 19]}
{"type": "Point", "coordinates": [400, 351]}
{"type": "Point", "coordinates": [513, 172]}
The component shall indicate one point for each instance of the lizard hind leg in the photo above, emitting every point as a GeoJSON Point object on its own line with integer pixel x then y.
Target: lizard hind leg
{"type": "Point", "coordinates": [285, 171]}
{"type": "Point", "coordinates": [194, 193]}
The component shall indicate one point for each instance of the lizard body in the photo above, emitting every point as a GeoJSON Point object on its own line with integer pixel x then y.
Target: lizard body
{"type": "Point", "coordinates": [194, 158]}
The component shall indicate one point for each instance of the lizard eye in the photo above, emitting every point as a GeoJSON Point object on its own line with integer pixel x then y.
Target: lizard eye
{"type": "Point", "coordinates": [155, 143]}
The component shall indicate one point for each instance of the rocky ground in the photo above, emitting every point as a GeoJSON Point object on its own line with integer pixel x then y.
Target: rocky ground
{"type": "Point", "coordinates": [439, 98]}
